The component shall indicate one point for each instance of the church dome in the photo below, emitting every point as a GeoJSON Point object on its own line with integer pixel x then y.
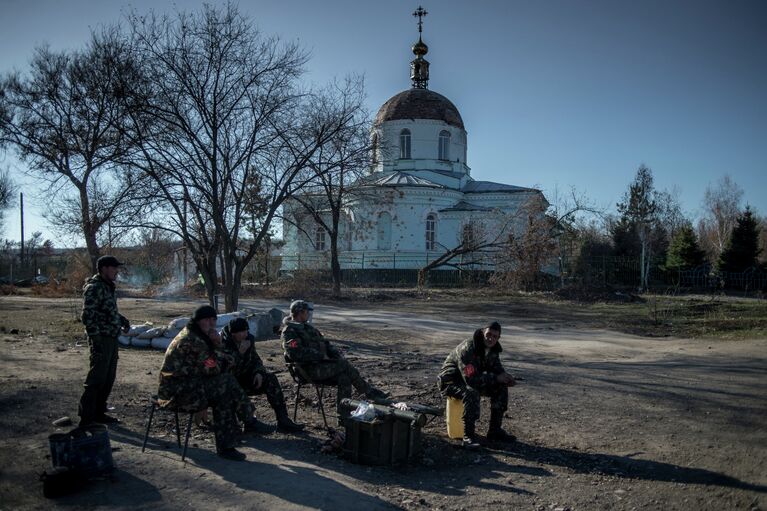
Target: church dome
{"type": "Point", "coordinates": [419, 104]}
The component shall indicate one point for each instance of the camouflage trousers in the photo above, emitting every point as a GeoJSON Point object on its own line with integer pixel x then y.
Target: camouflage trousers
{"type": "Point", "coordinates": [498, 394]}
{"type": "Point", "coordinates": [221, 392]}
{"type": "Point", "coordinates": [270, 386]}
{"type": "Point", "coordinates": [340, 373]}
{"type": "Point", "coordinates": [100, 379]}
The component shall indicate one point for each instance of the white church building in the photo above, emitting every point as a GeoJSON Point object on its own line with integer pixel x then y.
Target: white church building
{"type": "Point", "coordinates": [421, 198]}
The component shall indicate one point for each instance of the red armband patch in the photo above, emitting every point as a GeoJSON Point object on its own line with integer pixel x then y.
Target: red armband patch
{"type": "Point", "coordinates": [210, 362]}
{"type": "Point", "coordinates": [469, 370]}
{"type": "Point", "coordinates": [293, 343]}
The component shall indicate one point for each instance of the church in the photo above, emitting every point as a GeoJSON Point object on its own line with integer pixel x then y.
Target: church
{"type": "Point", "coordinates": [420, 198]}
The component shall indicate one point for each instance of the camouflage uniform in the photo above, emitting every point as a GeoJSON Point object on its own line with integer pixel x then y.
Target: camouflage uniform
{"type": "Point", "coordinates": [102, 325]}
{"type": "Point", "coordinates": [194, 377]}
{"type": "Point", "coordinates": [304, 345]}
{"type": "Point", "coordinates": [245, 368]}
{"type": "Point", "coordinates": [469, 372]}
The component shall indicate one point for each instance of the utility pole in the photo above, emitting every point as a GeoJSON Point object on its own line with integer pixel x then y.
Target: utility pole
{"type": "Point", "coordinates": [21, 214]}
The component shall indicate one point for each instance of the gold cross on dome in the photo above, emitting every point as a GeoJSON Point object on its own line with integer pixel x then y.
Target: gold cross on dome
{"type": "Point", "coordinates": [420, 13]}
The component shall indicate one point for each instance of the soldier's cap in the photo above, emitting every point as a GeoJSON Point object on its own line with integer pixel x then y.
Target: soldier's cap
{"type": "Point", "coordinates": [107, 260]}
{"type": "Point", "coordinates": [238, 325]}
{"type": "Point", "coordinates": [204, 311]}
{"type": "Point", "coordinates": [300, 305]}
{"type": "Point", "coordinates": [494, 326]}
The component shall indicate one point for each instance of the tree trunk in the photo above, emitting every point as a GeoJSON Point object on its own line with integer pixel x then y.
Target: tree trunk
{"type": "Point", "coordinates": [335, 266]}
{"type": "Point", "coordinates": [89, 231]}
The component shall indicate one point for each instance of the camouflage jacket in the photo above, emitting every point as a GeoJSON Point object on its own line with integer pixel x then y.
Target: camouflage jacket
{"type": "Point", "coordinates": [190, 356]}
{"type": "Point", "coordinates": [472, 364]}
{"type": "Point", "coordinates": [100, 315]}
{"type": "Point", "coordinates": [303, 343]}
{"type": "Point", "coordinates": [246, 365]}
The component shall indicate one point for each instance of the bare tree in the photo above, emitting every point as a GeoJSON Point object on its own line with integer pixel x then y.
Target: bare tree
{"type": "Point", "coordinates": [64, 119]}
{"type": "Point", "coordinates": [338, 172]}
{"type": "Point", "coordinates": [721, 207]}
{"type": "Point", "coordinates": [7, 194]}
{"type": "Point", "coordinates": [227, 136]}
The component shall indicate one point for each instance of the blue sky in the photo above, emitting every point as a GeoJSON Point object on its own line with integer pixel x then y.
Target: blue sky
{"type": "Point", "coordinates": [552, 93]}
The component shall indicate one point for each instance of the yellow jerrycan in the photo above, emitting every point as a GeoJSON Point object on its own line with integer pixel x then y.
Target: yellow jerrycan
{"type": "Point", "coordinates": [454, 417]}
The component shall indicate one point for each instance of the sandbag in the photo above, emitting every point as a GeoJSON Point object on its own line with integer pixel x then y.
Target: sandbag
{"type": "Point", "coordinates": [276, 315]}
{"type": "Point", "coordinates": [224, 319]}
{"type": "Point", "coordinates": [152, 333]}
{"type": "Point", "coordinates": [124, 340]}
{"type": "Point", "coordinates": [139, 342]}
{"type": "Point", "coordinates": [160, 343]}
{"type": "Point", "coordinates": [178, 323]}
{"type": "Point", "coordinates": [170, 333]}
{"type": "Point", "coordinates": [260, 326]}
{"type": "Point", "coordinates": [140, 329]}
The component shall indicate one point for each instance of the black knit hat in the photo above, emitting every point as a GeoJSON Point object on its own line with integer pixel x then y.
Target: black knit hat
{"type": "Point", "coordinates": [205, 311]}
{"type": "Point", "coordinates": [494, 326]}
{"type": "Point", "coordinates": [238, 325]}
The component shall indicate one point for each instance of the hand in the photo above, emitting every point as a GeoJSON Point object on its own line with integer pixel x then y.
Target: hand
{"type": "Point", "coordinates": [214, 336]}
{"type": "Point", "coordinates": [258, 380]}
{"type": "Point", "coordinates": [126, 328]}
{"type": "Point", "coordinates": [125, 324]}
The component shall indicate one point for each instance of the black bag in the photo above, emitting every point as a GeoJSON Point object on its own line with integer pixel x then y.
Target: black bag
{"type": "Point", "coordinates": [85, 450]}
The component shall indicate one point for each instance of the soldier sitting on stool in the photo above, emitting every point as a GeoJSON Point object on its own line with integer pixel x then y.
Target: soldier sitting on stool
{"type": "Point", "coordinates": [322, 362]}
{"type": "Point", "coordinates": [193, 377]}
{"type": "Point", "coordinates": [251, 373]}
{"type": "Point", "coordinates": [474, 369]}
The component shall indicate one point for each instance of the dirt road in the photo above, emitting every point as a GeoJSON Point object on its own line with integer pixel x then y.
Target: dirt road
{"type": "Point", "coordinates": [604, 420]}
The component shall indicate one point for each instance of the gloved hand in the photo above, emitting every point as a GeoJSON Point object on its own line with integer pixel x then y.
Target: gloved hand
{"type": "Point", "coordinates": [125, 324]}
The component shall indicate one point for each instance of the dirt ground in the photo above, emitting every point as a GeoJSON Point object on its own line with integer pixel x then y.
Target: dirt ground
{"type": "Point", "coordinates": [604, 419]}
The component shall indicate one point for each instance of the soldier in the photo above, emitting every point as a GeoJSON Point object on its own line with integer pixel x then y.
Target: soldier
{"type": "Point", "coordinates": [474, 369]}
{"type": "Point", "coordinates": [319, 360]}
{"type": "Point", "coordinates": [252, 375]}
{"type": "Point", "coordinates": [102, 324]}
{"type": "Point", "coordinates": [194, 377]}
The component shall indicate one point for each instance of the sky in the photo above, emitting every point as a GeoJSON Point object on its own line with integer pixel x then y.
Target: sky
{"type": "Point", "coordinates": [554, 94]}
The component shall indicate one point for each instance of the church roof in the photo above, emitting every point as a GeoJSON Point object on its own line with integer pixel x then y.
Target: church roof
{"type": "Point", "coordinates": [465, 206]}
{"type": "Point", "coordinates": [403, 179]}
{"type": "Point", "coordinates": [420, 104]}
{"type": "Point", "coordinates": [489, 186]}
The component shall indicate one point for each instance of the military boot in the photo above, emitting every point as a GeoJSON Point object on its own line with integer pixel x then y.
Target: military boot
{"type": "Point", "coordinates": [495, 432]}
{"type": "Point", "coordinates": [284, 423]}
{"type": "Point", "coordinates": [253, 425]}
{"type": "Point", "coordinates": [469, 438]}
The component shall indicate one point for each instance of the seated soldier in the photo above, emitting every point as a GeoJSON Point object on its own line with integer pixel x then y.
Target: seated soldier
{"type": "Point", "coordinates": [474, 369]}
{"type": "Point", "coordinates": [193, 377]}
{"type": "Point", "coordinates": [319, 360]}
{"type": "Point", "coordinates": [251, 373]}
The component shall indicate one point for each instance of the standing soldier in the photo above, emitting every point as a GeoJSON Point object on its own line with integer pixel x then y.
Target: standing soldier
{"type": "Point", "coordinates": [319, 360]}
{"type": "Point", "coordinates": [474, 369]}
{"type": "Point", "coordinates": [252, 375]}
{"type": "Point", "coordinates": [102, 324]}
{"type": "Point", "coordinates": [194, 377]}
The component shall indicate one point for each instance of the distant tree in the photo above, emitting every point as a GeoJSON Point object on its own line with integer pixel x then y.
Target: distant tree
{"type": "Point", "coordinates": [65, 119]}
{"type": "Point", "coordinates": [640, 223]}
{"type": "Point", "coordinates": [742, 250]}
{"type": "Point", "coordinates": [684, 252]}
{"type": "Point", "coordinates": [7, 195]}
{"type": "Point", "coordinates": [721, 207]}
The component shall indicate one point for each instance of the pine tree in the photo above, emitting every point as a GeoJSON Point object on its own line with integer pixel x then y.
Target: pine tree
{"type": "Point", "coordinates": [684, 252]}
{"type": "Point", "coordinates": [742, 251]}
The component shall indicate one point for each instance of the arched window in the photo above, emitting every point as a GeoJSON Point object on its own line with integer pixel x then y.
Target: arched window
{"type": "Point", "coordinates": [384, 231]}
{"type": "Point", "coordinates": [444, 145]}
{"type": "Point", "coordinates": [404, 144]}
{"type": "Point", "coordinates": [431, 231]}
{"type": "Point", "coordinates": [469, 235]}
{"type": "Point", "coordinates": [319, 239]}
